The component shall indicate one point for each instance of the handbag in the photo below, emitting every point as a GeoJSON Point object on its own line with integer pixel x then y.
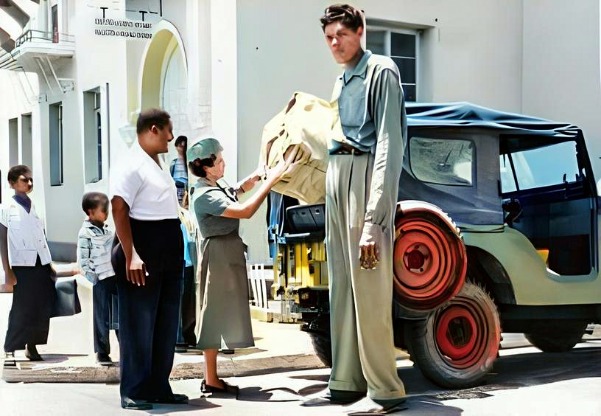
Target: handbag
{"type": "Point", "coordinates": [67, 300]}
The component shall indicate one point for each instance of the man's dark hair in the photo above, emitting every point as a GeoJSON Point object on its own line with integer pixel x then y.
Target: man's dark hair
{"type": "Point", "coordinates": [152, 117]}
{"type": "Point", "coordinates": [93, 200]}
{"type": "Point", "coordinates": [181, 139]}
{"type": "Point", "coordinates": [16, 171]}
{"type": "Point", "coordinates": [349, 16]}
{"type": "Point", "coordinates": [196, 166]}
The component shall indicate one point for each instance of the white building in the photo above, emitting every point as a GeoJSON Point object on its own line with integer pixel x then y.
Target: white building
{"type": "Point", "coordinates": [77, 72]}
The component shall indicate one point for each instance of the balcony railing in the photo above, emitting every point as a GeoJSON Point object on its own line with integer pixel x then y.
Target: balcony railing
{"type": "Point", "coordinates": [38, 36]}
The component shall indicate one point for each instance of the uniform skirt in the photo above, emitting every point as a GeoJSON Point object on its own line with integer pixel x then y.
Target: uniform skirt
{"type": "Point", "coordinates": [224, 317]}
{"type": "Point", "coordinates": [33, 299]}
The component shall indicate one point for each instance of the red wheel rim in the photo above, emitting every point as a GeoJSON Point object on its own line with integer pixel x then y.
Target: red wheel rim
{"type": "Point", "coordinates": [429, 263]}
{"type": "Point", "coordinates": [461, 333]}
{"type": "Point", "coordinates": [456, 333]}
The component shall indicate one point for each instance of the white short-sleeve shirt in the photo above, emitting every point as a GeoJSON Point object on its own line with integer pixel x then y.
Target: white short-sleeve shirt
{"type": "Point", "coordinates": [148, 190]}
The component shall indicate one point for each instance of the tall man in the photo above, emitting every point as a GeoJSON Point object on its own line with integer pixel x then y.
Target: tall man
{"type": "Point", "coordinates": [361, 194]}
{"type": "Point", "coordinates": [148, 263]}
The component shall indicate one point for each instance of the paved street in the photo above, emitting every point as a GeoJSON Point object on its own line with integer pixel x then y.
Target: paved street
{"type": "Point", "coordinates": [524, 381]}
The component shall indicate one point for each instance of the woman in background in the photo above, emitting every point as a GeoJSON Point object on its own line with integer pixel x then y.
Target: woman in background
{"type": "Point", "coordinates": [27, 265]}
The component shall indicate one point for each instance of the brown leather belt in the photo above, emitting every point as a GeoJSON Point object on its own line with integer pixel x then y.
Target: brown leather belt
{"type": "Point", "coordinates": [347, 149]}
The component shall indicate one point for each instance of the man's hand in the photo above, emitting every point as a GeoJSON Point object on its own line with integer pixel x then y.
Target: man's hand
{"type": "Point", "coordinates": [369, 246]}
{"type": "Point", "coordinates": [136, 270]}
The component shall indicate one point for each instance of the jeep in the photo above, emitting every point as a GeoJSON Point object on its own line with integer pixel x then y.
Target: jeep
{"type": "Point", "coordinates": [496, 230]}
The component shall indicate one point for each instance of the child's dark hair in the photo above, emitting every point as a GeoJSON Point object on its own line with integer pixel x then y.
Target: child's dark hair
{"type": "Point", "coordinates": [196, 166]}
{"type": "Point", "coordinates": [16, 171]}
{"type": "Point", "coordinates": [349, 16]}
{"type": "Point", "coordinates": [93, 200]}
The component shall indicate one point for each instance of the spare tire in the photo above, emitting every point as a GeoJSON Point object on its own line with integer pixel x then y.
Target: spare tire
{"type": "Point", "coordinates": [429, 257]}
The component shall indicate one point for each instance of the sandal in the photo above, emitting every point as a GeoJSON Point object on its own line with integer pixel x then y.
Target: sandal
{"type": "Point", "coordinates": [227, 389]}
{"type": "Point", "coordinates": [9, 360]}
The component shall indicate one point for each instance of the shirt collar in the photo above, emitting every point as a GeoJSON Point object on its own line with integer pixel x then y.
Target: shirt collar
{"type": "Point", "coordinates": [143, 155]}
{"type": "Point", "coordinates": [360, 70]}
{"type": "Point", "coordinates": [89, 224]}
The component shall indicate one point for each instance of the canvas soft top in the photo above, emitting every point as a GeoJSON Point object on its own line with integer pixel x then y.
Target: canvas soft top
{"type": "Point", "coordinates": [464, 114]}
{"type": "Point", "coordinates": [480, 203]}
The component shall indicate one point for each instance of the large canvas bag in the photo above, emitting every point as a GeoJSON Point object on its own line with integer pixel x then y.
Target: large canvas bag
{"type": "Point", "coordinates": [311, 123]}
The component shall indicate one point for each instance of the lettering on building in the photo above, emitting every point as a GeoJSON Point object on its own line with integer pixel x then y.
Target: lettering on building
{"type": "Point", "coordinates": [123, 28]}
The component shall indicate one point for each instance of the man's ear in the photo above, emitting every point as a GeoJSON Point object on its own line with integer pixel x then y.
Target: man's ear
{"type": "Point", "coordinates": [154, 129]}
{"type": "Point", "coordinates": [361, 33]}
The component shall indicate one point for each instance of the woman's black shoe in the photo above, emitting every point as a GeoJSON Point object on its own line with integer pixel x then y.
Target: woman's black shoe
{"type": "Point", "coordinates": [32, 354]}
{"type": "Point", "coordinates": [9, 359]}
{"type": "Point", "coordinates": [227, 389]}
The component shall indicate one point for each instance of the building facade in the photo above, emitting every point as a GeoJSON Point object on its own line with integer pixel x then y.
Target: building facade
{"type": "Point", "coordinates": [75, 74]}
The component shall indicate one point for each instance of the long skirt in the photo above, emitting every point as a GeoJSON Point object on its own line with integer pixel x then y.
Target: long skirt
{"type": "Point", "coordinates": [224, 318]}
{"type": "Point", "coordinates": [33, 299]}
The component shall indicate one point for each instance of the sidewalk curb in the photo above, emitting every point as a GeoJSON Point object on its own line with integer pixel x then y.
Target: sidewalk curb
{"type": "Point", "coordinates": [28, 373]}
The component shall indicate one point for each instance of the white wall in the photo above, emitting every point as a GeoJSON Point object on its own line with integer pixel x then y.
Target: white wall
{"type": "Point", "coordinates": [562, 66]}
{"type": "Point", "coordinates": [245, 58]}
{"type": "Point", "coordinates": [19, 96]}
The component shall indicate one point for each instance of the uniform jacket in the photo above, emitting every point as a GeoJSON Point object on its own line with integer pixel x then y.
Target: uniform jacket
{"type": "Point", "coordinates": [26, 236]}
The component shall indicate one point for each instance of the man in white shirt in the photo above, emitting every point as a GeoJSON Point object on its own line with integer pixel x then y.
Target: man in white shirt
{"type": "Point", "coordinates": [148, 263]}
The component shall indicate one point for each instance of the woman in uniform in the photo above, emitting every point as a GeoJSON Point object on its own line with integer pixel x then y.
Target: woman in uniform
{"type": "Point", "coordinates": [27, 264]}
{"type": "Point", "coordinates": [224, 313]}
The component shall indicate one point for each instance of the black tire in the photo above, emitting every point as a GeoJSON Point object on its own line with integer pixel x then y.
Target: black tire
{"type": "Point", "coordinates": [555, 336]}
{"type": "Point", "coordinates": [319, 330]}
{"type": "Point", "coordinates": [457, 344]}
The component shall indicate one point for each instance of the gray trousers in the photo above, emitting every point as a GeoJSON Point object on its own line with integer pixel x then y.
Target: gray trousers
{"type": "Point", "coordinates": [363, 353]}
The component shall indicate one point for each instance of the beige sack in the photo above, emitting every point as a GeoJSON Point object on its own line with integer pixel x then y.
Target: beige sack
{"type": "Point", "coordinates": [311, 123]}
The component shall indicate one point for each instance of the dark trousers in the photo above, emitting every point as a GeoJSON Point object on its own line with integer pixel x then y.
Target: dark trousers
{"type": "Point", "coordinates": [33, 299]}
{"type": "Point", "coordinates": [102, 295]}
{"type": "Point", "coordinates": [148, 315]}
{"type": "Point", "coordinates": [187, 319]}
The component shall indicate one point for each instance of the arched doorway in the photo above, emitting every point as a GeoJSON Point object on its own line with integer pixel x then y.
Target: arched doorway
{"type": "Point", "coordinates": [165, 78]}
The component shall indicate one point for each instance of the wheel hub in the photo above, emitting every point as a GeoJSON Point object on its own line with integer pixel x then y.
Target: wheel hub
{"type": "Point", "coordinates": [456, 333]}
{"type": "Point", "coordinates": [415, 259]}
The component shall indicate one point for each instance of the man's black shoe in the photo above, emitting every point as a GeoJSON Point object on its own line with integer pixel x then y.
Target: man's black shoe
{"type": "Point", "coordinates": [103, 359]}
{"type": "Point", "coordinates": [181, 348]}
{"type": "Point", "coordinates": [174, 399]}
{"type": "Point", "coordinates": [131, 404]}
{"type": "Point", "coordinates": [334, 397]}
{"type": "Point", "coordinates": [369, 406]}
